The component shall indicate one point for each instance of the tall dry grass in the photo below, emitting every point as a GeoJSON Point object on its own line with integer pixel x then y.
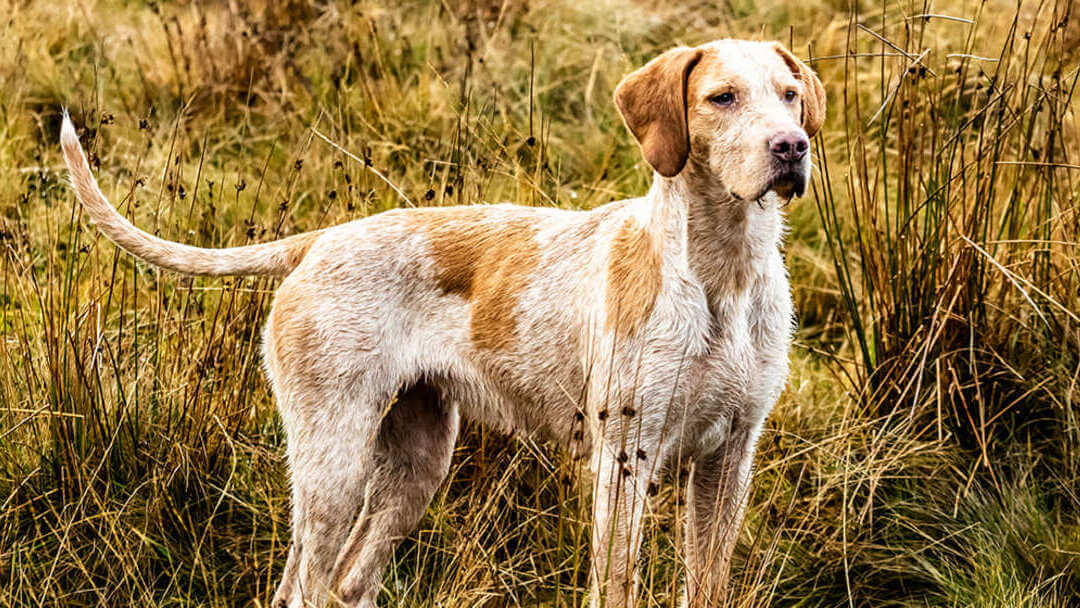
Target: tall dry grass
{"type": "Point", "coordinates": [925, 452]}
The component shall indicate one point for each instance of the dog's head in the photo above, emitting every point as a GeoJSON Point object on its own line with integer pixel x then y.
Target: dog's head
{"type": "Point", "coordinates": [744, 111]}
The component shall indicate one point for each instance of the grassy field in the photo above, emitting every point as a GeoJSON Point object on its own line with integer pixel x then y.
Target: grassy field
{"type": "Point", "coordinates": [925, 453]}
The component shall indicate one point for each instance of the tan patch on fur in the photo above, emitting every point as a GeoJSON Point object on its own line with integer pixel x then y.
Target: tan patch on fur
{"type": "Point", "coordinates": [634, 278]}
{"type": "Point", "coordinates": [487, 259]}
{"type": "Point", "coordinates": [292, 333]}
{"type": "Point", "coordinates": [300, 244]}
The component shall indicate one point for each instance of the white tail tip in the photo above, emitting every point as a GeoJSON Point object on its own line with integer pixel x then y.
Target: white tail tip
{"type": "Point", "coordinates": [68, 136]}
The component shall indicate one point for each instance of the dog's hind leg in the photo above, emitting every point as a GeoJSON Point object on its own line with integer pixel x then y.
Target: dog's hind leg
{"type": "Point", "coordinates": [288, 588]}
{"type": "Point", "coordinates": [330, 461]}
{"type": "Point", "coordinates": [412, 455]}
{"type": "Point", "coordinates": [362, 477]}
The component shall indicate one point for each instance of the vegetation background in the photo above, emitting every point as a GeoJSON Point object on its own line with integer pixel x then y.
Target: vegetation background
{"type": "Point", "coordinates": [926, 452]}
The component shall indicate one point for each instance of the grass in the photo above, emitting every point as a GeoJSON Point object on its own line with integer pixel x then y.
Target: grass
{"type": "Point", "coordinates": [925, 453]}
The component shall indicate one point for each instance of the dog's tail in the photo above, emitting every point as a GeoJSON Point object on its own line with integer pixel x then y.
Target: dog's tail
{"type": "Point", "coordinates": [277, 258]}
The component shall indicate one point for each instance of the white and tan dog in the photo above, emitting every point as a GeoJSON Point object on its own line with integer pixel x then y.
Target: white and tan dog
{"type": "Point", "coordinates": [644, 334]}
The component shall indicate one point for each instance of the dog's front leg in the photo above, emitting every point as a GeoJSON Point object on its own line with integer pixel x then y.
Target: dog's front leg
{"type": "Point", "coordinates": [619, 502]}
{"type": "Point", "coordinates": [715, 496]}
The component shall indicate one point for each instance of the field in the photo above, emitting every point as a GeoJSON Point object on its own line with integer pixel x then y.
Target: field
{"type": "Point", "coordinates": [925, 453]}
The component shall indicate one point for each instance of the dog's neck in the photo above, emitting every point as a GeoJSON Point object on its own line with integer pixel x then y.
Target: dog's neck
{"type": "Point", "coordinates": [724, 241]}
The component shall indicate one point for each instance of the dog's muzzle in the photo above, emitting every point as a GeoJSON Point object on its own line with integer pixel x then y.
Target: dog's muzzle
{"type": "Point", "coordinates": [790, 169]}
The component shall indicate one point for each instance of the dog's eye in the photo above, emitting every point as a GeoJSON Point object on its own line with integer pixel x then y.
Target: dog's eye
{"type": "Point", "coordinates": [790, 95]}
{"type": "Point", "coordinates": [723, 99]}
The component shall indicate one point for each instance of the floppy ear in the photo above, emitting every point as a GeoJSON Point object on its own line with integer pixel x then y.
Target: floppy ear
{"type": "Point", "coordinates": [813, 101]}
{"type": "Point", "coordinates": [652, 101]}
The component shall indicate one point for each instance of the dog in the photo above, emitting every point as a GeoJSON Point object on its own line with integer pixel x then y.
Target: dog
{"type": "Point", "coordinates": [645, 334]}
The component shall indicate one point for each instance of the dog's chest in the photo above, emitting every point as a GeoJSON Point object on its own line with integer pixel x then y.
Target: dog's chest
{"type": "Point", "coordinates": [743, 368]}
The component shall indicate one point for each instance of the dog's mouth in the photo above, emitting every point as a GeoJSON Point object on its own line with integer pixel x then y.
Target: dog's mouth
{"type": "Point", "coordinates": [788, 184]}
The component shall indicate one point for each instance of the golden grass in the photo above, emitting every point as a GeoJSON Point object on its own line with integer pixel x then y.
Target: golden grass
{"type": "Point", "coordinates": [925, 452]}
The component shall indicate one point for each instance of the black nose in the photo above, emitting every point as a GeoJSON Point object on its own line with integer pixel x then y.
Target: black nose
{"type": "Point", "coordinates": [789, 146]}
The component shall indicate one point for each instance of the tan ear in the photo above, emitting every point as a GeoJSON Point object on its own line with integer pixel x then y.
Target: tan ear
{"type": "Point", "coordinates": [652, 101]}
{"type": "Point", "coordinates": [813, 101]}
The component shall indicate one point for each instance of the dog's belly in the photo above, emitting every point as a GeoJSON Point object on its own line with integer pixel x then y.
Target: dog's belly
{"type": "Point", "coordinates": [535, 389]}
{"type": "Point", "coordinates": [517, 406]}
